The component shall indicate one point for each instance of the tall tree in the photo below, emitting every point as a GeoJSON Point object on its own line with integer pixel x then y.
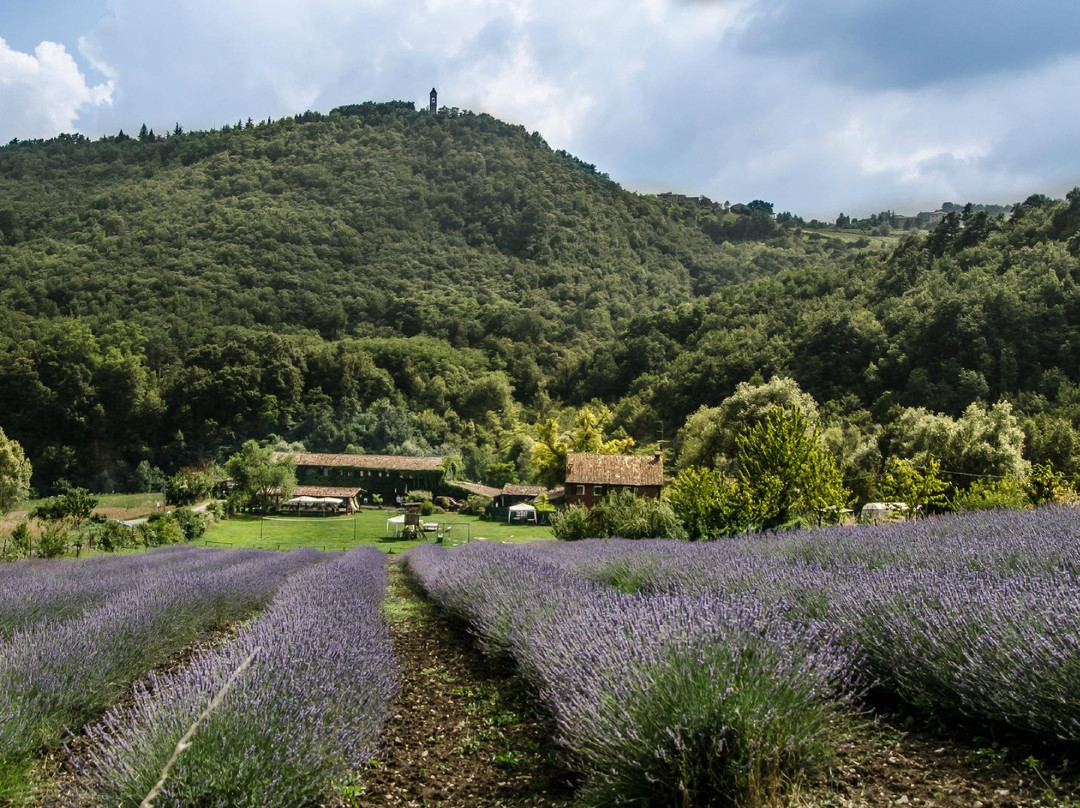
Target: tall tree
{"type": "Point", "coordinates": [786, 473]}
{"type": "Point", "coordinates": [258, 479]}
{"type": "Point", "coordinates": [15, 471]}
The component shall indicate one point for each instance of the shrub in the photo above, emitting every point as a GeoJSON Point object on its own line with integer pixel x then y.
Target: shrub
{"type": "Point", "coordinates": [476, 505]}
{"type": "Point", "coordinates": [983, 495]}
{"type": "Point", "coordinates": [109, 535]}
{"type": "Point", "coordinates": [53, 541]}
{"type": "Point", "coordinates": [19, 541]}
{"type": "Point", "coordinates": [191, 524]}
{"type": "Point", "coordinates": [1046, 485]}
{"type": "Point", "coordinates": [189, 486]}
{"type": "Point", "coordinates": [572, 524]}
{"type": "Point", "coordinates": [160, 530]}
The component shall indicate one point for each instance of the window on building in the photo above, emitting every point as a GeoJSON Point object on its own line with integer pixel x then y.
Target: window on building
{"type": "Point", "coordinates": [598, 490]}
{"type": "Point", "coordinates": [579, 490]}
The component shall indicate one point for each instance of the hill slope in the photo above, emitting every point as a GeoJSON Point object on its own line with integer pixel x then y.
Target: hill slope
{"type": "Point", "coordinates": [400, 281]}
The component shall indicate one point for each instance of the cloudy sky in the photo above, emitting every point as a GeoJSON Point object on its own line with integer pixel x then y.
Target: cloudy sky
{"type": "Point", "coordinates": [819, 106]}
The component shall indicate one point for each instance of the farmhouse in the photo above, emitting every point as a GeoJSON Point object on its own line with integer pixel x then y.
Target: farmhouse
{"type": "Point", "coordinates": [591, 477]}
{"type": "Point", "coordinates": [389, 476]}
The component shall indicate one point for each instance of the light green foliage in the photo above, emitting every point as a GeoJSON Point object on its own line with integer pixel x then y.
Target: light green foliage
{"type": "Point", "coordinates": [572, 524]}
{"type": "Point", "coordinates": [17, 544]}
{"type": "Point", "coordinates": [476, 504]}
{"type": "Point", "coordinates": [920, 488]}
{"type": "Point", "coordinates": [1045, 484]}
{"type": "Point", "coordinates": [548, 454]}
{"type": "Point", "coordinates": [982, 495]}
{"type": "Point", "coordinates": [52, 542]}
{"type": "Point", "coordinates": [620, 514]}
{"type": "Point", "coordinates": [591, 434]}
{"type": "Point", "coordinates": [786, 474]}
{"type": "Point", "coordinates": [709, 437]}
{"type": "Point", "coordinates": [159, 530]}
{"type": "Point", "coordinates": [982, 442]}
{"type": "Point", "coordinates": [15, 472]}
{"type": "Point", "coordinates": [259, 480]}
{"type": "Point", "coordinates": [707, 503]}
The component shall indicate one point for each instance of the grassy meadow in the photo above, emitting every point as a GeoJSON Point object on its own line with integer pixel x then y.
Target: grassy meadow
{"type": "Point", "coordinates": [368, 527]}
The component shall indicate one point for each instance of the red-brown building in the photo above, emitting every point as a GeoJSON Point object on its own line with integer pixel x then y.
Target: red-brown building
{"type": "Point", "coordinates": [591, 477]}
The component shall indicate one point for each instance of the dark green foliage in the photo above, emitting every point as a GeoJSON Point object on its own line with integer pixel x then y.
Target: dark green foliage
{"type": "Point", "coordinates": [394, 281]}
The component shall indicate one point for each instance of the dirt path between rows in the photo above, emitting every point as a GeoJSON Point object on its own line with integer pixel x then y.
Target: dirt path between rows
{"type": "Point", "coordinates": [463, 733]}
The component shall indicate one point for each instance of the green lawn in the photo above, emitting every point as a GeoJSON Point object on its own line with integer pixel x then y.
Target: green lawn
{"type": "Point", "coordinates": [367, 527]}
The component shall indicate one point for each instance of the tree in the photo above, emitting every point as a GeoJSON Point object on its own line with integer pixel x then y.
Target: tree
{"type": "Point", "coordinates": [785, 472]}
{"type": "Point", "coordinates": [920, 489]}
{"type": "Point", "coordinates": [760, 206]}
{"type": "Point", "coordinates": [707, 503]}
{"type": "Point", "coordinates": [257, 478]}
{"type": "Point", "coordinates": [15, 471]}
{"type": "Point", "coordinates": [708, 438]}
{"type": "Point", "coordinates": [548, 454]}
{"type": "Point", "coordinates": [982, 442]}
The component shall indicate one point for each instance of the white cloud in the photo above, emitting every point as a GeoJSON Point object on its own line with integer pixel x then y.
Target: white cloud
{"type": "Point", "coordinates": [736, 99]}
{"type": "Point", "coordinates": [42, 94]}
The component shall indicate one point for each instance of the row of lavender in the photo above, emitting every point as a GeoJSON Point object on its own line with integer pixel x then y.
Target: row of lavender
{"type": "Point", "coordinates": [658, 698]}
{"type": "Point", "coordinates": [35, 590]}
{"type": "Point", "coordinates": [976, 615]}
{"type": "Point", "coordinates": [59, 669]}
{"type": "Point", "coordinates": [301, 717]}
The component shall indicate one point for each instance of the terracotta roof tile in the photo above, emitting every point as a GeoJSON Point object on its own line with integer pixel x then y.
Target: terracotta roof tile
{"type": "Point", "coordinates": [514, 490]}
{"type": "Point", "coordinates": [364, 461]}
{"type": "Point", "coordinates": [325, 491]}
{"type": "Point", "coordinates": [598, 469]}
{"type": "Point", "coordinates": [477, 488]}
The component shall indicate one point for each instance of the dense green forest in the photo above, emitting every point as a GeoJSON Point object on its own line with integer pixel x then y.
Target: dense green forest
{"type": "Point", "coordinates": [386, 280]}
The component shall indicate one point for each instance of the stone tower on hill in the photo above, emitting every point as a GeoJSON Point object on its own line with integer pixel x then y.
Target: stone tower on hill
{"type": "Point", "coordinates": [433, 106]}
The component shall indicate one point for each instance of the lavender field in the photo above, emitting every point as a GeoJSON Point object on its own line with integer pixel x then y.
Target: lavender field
{"type": "Point", "coordinates": [678, 671]}
{"type": "Point", "coordinates": [76, 637]}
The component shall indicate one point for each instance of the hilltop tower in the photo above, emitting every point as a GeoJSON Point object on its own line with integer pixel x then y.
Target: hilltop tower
{"type": "Point", "coordinates": [433, 105]}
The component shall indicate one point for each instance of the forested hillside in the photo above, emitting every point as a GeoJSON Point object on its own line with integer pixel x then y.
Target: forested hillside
{"type": "Point", "coordinates": [392, 280]}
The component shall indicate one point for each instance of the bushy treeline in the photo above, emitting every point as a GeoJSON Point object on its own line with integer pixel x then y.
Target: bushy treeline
{"type": "Point", "coordinates": [384, 280]}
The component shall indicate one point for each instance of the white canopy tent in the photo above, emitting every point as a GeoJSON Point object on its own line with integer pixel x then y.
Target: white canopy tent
{"type": "Point", "coordinates": [523, 512]}
{"type": "Point", "coordinates": [397, 523]}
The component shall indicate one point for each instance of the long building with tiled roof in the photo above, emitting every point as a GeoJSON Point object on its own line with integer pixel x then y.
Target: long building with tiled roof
{"type": "Point", "coordinates": [385, 476]}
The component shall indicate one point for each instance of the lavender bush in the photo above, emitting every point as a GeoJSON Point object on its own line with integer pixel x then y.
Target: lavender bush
{"type": "Point", "coordinates": [60, 674]}
{"type": "Point", "coordinates": [305, 713]}
{"type": "Point", "coordinates": [695, 699]}
{"type": "Point", "coordinates": [977, 614]}
{"type": "Point", "coordinates": [36, 590]}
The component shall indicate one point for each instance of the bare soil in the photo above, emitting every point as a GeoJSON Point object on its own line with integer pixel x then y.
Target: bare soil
{"type": "Point", "coordinates": [895, 761]}
{"type": "Point", "coordinates": [451, 742]}
{"type": "Point", "coordinates": [463, 733]}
